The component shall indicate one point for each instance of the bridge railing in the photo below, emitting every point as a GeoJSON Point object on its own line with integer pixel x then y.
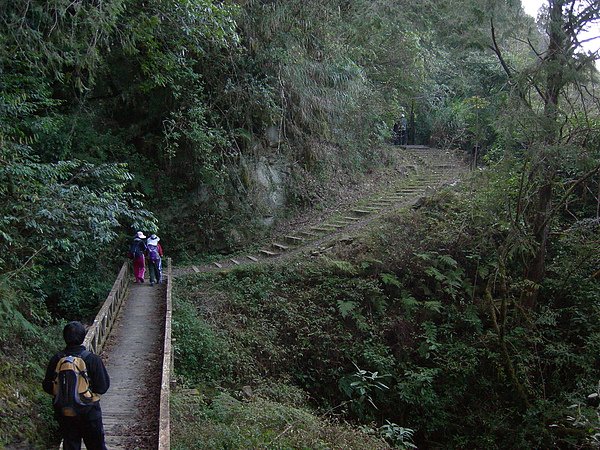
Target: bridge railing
{"type": "Point", "coordinates": [164, 430]}
{"type": "Point", "coordinates": [98, 332]}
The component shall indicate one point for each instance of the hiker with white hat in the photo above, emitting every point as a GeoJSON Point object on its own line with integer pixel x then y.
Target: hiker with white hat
{"type": "Point", "coordinates": [154, 254]}
{"type": "Point", "coordinates": [136, 252]}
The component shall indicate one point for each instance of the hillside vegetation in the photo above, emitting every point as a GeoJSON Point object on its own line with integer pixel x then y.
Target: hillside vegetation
{"type": "Point", "coordinates": [410, 328]}
{"type": "Point", "coordinates": [467, 323]}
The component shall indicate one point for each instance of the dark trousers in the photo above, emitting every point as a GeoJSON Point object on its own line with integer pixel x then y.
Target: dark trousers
{"type": "Point", "coordinates": [74, 429]}
{"type": "Point", "coordinates": [403, 137]}
{"type": "Point", "coordinates": [155, 269]}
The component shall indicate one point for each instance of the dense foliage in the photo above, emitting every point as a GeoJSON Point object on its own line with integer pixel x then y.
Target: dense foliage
{"type": "Point", "coordinates": [209, 120]}
{"type": "Point", "coordinates": [472, 322]}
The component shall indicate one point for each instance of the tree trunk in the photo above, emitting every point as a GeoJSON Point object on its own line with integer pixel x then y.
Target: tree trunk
{"type": "Point", "coordinates": [554, 83]}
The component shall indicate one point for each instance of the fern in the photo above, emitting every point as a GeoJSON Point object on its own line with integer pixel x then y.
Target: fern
{"type": "Point", "coordinates": [346, 307]}
{"type": "Point", "coordinates": [390, 279]}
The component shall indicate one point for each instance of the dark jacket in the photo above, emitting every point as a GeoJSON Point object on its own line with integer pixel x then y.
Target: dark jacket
{"type": "Point", "coordinates": [137, 247]}
{"type": "Point", "coordinates": [99, 379]}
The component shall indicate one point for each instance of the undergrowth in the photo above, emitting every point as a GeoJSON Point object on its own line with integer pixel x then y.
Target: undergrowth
{"type": "Point", "coordinates": [397, 331]}
{"type": "Point", "coordinates": [27, 417]}
{"type": "Point", "coordinates": [222, 421]}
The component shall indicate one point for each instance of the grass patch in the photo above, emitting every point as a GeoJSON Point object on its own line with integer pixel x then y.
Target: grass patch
{"type": "Point", "coordinates": [222, 421]}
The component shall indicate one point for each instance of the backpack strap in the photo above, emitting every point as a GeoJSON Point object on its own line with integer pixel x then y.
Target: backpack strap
{"type": "Point", "coordinates": [83, 355]}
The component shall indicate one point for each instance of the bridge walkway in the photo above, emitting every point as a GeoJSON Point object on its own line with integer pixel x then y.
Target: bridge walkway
{"type": "Point", "coordinates": [133, 358]}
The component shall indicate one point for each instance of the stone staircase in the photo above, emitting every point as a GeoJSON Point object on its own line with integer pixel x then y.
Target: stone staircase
{"type": "Point", "coordinates": [429, 169]}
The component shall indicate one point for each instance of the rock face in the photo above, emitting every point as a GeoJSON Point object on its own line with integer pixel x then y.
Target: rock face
{"type": "Point", "coordinates": [268, 182]}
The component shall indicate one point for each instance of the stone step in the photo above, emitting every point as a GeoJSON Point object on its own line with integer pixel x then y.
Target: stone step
{"type": "Point", "coordinates": [350, 218]}
{"type": "Point", "coordinates": [309, 233]}
{"type": "Point", "coordinates": [430, 178]}
{"type": "Point", "coordinates": [235, 261]}
{"type": "Point", "coordinates": [280, 246]}
{"type": "Point", "coordinates": [321, 225]}
{"type": "Point", "coordinates": [294, 239]}
{"type": "Point", "coordinates": [267, 252]}
{"type": "Point", "coordinates": [252, 258]}
{"type": "Point", "coordinates": [323, 229]}
{"type": "Point", "coordinates": [361, 211]}
{"type": "Point", "coordinates": [218, 265]}
{"type": "Point", "coordinates": [195, 269]}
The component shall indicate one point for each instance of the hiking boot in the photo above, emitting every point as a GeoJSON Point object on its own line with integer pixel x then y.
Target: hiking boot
{"type": "Point", "coordinates": [151, 283]}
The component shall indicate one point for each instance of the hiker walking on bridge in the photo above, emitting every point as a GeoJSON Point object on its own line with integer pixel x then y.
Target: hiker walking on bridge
{"type": "Point", "coordinates": [137, 249]}
{"type": "Point", "coordinates": [76, 378]}
{"type": "Point", "coordinates": [154, 254]}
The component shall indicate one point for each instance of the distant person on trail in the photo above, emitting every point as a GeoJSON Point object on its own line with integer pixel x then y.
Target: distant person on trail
{"type": "Point", "coordinates": [79, 415]}
{"type": "Point", "coordinates": [396, 135]}
{"type": "Point", "coordinates": [154, 253]}
{"type": "Point", "coordinates": [136, 252]}
{"type": "Point", "coordinates": [403, 130]}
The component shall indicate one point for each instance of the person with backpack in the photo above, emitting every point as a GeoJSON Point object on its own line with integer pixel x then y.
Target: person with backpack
{"type": "Point", "coordinates": [137, 249]}
{"type": "Point", "coordinates": [154, 253]}
{"type": "Point", "coordinates": [76, 378]}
